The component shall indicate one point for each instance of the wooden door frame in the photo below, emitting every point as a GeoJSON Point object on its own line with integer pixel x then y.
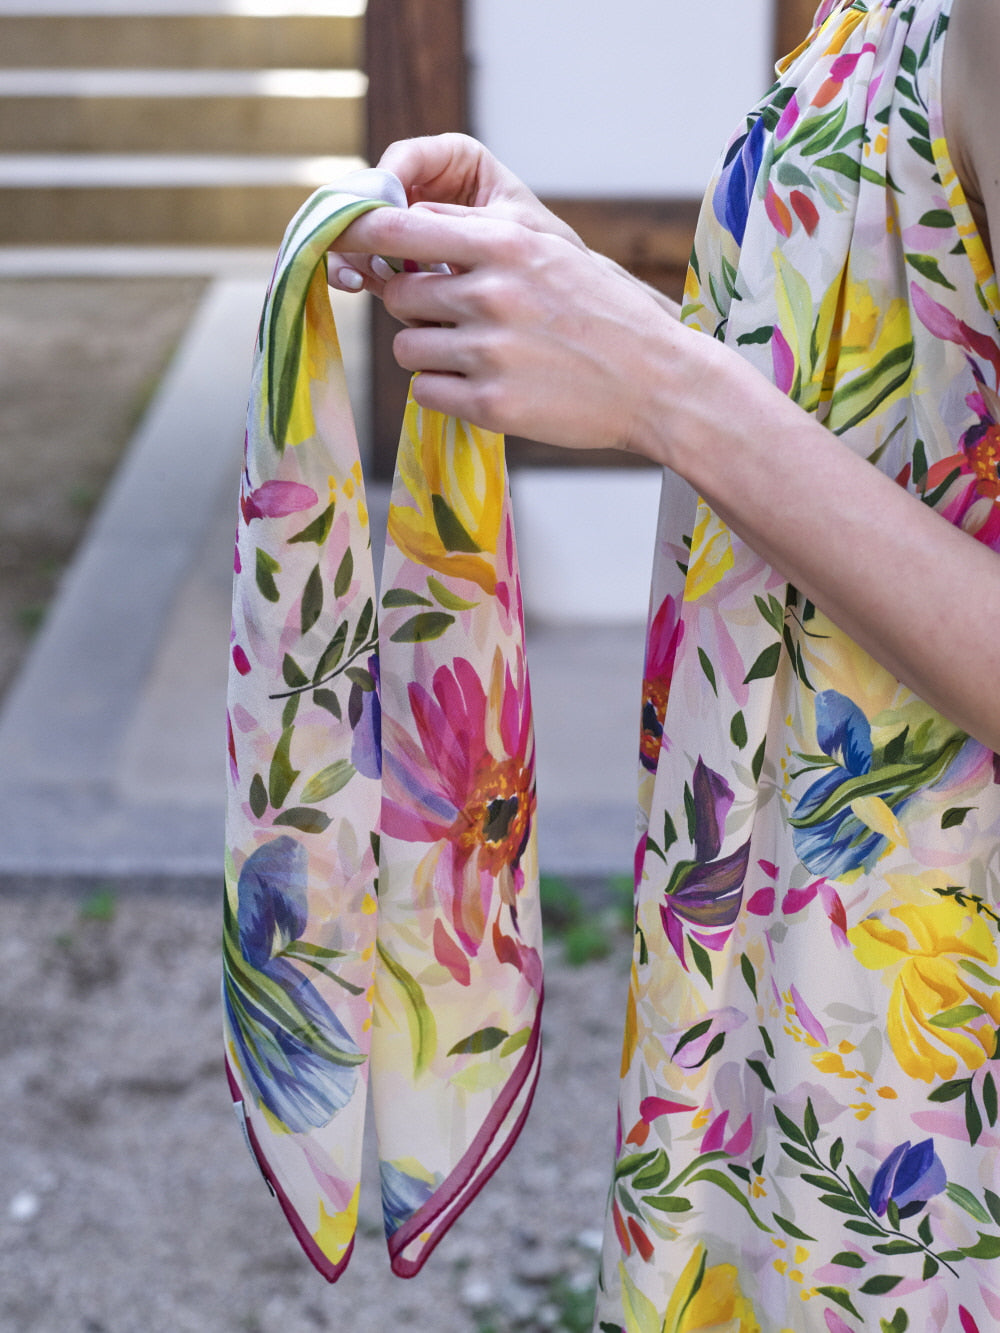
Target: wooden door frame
{"type": "Point", "coordinates": [418, 84]}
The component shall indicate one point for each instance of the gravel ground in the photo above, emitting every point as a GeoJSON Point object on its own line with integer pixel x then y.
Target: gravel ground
{"type": "Point", "coordinates": [129, 1204]}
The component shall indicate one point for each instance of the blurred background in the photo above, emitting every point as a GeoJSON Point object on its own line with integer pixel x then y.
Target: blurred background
{"type": "Point", "coordinates": [151, 154]}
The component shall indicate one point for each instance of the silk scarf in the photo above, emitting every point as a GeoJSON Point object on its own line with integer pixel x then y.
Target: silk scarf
{"type": "Point", "coordinates": [381, 908]}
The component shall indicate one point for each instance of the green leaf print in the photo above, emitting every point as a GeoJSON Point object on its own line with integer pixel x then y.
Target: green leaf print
{"type": "Point", "coordinates": [955, 817]}
{"type": "Point", "coordinates": [328, 781]}
{"type": "Point", "coordinates": [749, 975]}
{"type": "Point", "coordinates": [758, 1068]}
{"type": "Point", "coordinates": [453, 534]}
{"type": "Point", "coordinates": [292, 673]}
{"type": "Point", "coordinates": [766, 664]}
{"type": "Point", "coordinates": [899, 1323]}
{"type": "Point", "coordinates": [956, 1017]}
{"type": "Point", "coordinates": [448, 599]}
{"type": "Point", "coordinates": [423, 627]}
{"type": "Point", "coordinates": [281, 775]}
{"type": "Point", "coordinates": [305, 819]}
{"type": "Point", "coordinates": [880, 1286]}
{"type": "Point", "coordinates": [841, 1297]}
{"type": "Point", "coordinates": [423, 1029]}
{"type": "Point", "coordinates": [790, 1229]}
{"type": "Point", "coordinates": [848, 1259]}
{"type": "Point", "coordinates": [312, 601]}
{"type": "Point", "coordinates": [363, 627]}
{"type": "Point", "coordinates": [708, 670]}
{"type": "Point", "coordinates": [332, 654]}
{"type": "Point", "coordinates": [318, 530]}
{"type": "Point", "coordinates": [990, 1098]}
{"type": "Point", "coordinates": [344, 575]}
{"type": "Point", "coordinates": [266, 568]}
{"type": "Point", "coordinates": [967, 1200]}
{"type": "Point", "coordinates": [397, 597]}
{"type": "Point", "coordinates": [986, 1247]}
{"type": "Point", "coordinates": [993, 1204]}
{"type": "Point", "coordinates": [929, 268]}
{"type": "Point", "coordinates": [258, 796]}
{"type": "Point", "coordinates": [486, 1039]}
{"type": "Point", "coordinates": [328, 700]}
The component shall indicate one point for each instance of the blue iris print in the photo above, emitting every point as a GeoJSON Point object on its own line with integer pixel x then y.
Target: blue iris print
{"type": "Point", "coordinates": [298, 1058]}
{"type": "Point", "coordinates": [402, 1195]}
{"type": "Point", "coordinates": [735, 187]}
{"type": "Point", "coordinates": [908, 1178]}
{"type": "Point", "coordinates": [829, 834]}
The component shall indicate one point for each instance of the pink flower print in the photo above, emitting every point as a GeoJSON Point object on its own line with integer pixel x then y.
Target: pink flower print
{"type": "Point", "coordinates": [464, 781]}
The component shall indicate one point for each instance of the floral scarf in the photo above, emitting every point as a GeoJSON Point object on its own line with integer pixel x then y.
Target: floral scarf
{"type": "Point", "coordinates": [381, 909]}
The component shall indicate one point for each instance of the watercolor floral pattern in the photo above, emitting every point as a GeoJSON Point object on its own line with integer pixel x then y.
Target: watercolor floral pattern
{"type": "Point", "coordinates": [809, 1120]}
{"type": "Point", "coordinates": [381, 916]}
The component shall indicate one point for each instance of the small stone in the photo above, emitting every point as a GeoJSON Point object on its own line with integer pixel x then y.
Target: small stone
{"type": "Point", "coordinates": [537, 1265]}
{"type": "Point", "coordinates": [23, 1207]}
{"type": "Point", "coordinates": [477, 1293]}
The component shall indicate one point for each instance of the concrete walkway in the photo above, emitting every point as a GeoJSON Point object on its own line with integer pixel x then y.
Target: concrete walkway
{"type": "Point", "coordinates": [112, 738]}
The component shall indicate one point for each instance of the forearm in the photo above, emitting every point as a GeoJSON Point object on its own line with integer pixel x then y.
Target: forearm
{"type": "Point", "coordinates": [917, 593]}
{"type": "Point", "coordinates": [664, 301]}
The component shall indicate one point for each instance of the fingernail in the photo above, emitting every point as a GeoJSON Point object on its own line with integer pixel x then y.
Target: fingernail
{"type": "Point", "coordinates": [351, 279]}
{"type": "Point", "coordinates": [381, 269]}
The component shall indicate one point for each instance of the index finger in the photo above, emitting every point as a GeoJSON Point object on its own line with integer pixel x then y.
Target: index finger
{"type": "Point", "coordinates": [423, 236]}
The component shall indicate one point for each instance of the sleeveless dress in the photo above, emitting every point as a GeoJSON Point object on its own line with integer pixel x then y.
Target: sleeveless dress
{"type": "Point", "coordinates": [808, 1125]}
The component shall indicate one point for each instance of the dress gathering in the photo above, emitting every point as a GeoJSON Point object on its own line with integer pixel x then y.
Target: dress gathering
{"type": "Point", "coordinates": [808, 1118]}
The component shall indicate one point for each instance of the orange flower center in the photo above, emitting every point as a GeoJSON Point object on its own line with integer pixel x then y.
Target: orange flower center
{"type": "Point", "coordinates": [654, 701]}
{"type": "Point", "coordinates": [984, 460]}
{"type": "Point", "coordinates": [496, 816]}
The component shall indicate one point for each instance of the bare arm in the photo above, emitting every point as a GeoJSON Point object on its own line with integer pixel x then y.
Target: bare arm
{"type": "Point", "coordinates": [538, 336]}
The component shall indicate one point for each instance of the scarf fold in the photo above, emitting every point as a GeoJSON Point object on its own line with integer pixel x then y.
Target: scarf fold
{"type": "Point", "coordinates": [381, 906]}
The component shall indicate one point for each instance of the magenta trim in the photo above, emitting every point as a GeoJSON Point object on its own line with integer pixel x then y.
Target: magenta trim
{"type": "Point", "coordinates": [451, 1198]}
{"type": "Point", "coordinates": [314, 1254]}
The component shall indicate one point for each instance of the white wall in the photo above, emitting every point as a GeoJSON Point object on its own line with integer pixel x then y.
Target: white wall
{"type": "Point", "coordinates": [635, 97]}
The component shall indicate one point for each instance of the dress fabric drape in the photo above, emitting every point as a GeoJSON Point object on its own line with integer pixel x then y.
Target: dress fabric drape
{"type": "Point", "coordinates": [381, 911]}
{"type": "Point", "coordinates": [808, 1127]}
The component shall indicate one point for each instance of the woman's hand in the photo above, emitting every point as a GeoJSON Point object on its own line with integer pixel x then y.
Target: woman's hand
{"type": "Point", "coordinates": [530, 333]}
{"type": "Point", "coordinates": [450, 173]}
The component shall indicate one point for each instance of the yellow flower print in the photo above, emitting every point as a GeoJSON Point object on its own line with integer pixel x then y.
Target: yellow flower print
{"type": "Point", "coordinates": [711, 553]}
{"type": "Point", "coordinates": [707, 1299]}
{"type": "Point", "coordinates": [336, 1230]}
{"type": "Point", "coordinates": [944, 1007]}
{"type": "Point", "coordinates": [319, 352]}
{"type": "Point", "coordinates": [453, 473]}
{"type": "Point", "coordinates": [846, 350]}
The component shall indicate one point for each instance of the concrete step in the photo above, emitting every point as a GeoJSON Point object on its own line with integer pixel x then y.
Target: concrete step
{"type": "Point", "coordinates": [135, 111]}
{"type": "Point", "coordinates": [156, 200]}
{"type": "Point", "coordinates": [133, 37]}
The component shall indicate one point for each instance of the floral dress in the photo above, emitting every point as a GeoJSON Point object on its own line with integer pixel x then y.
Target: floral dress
{"type": "Point", "coordinates": [808, 1125]}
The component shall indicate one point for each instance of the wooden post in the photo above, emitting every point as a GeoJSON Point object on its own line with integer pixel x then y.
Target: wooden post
{"type": "Point", "coordinates": [792, 21]}
{"type": "Point", "coordinates": [417, 84]}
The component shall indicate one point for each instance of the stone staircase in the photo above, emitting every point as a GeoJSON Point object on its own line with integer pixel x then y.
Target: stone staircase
{"type": "Point", "coordinates": [173, 122]}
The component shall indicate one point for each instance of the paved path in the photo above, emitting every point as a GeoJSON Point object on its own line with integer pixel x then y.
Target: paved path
{"type": "Point", "coordinates": [111, 740]}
